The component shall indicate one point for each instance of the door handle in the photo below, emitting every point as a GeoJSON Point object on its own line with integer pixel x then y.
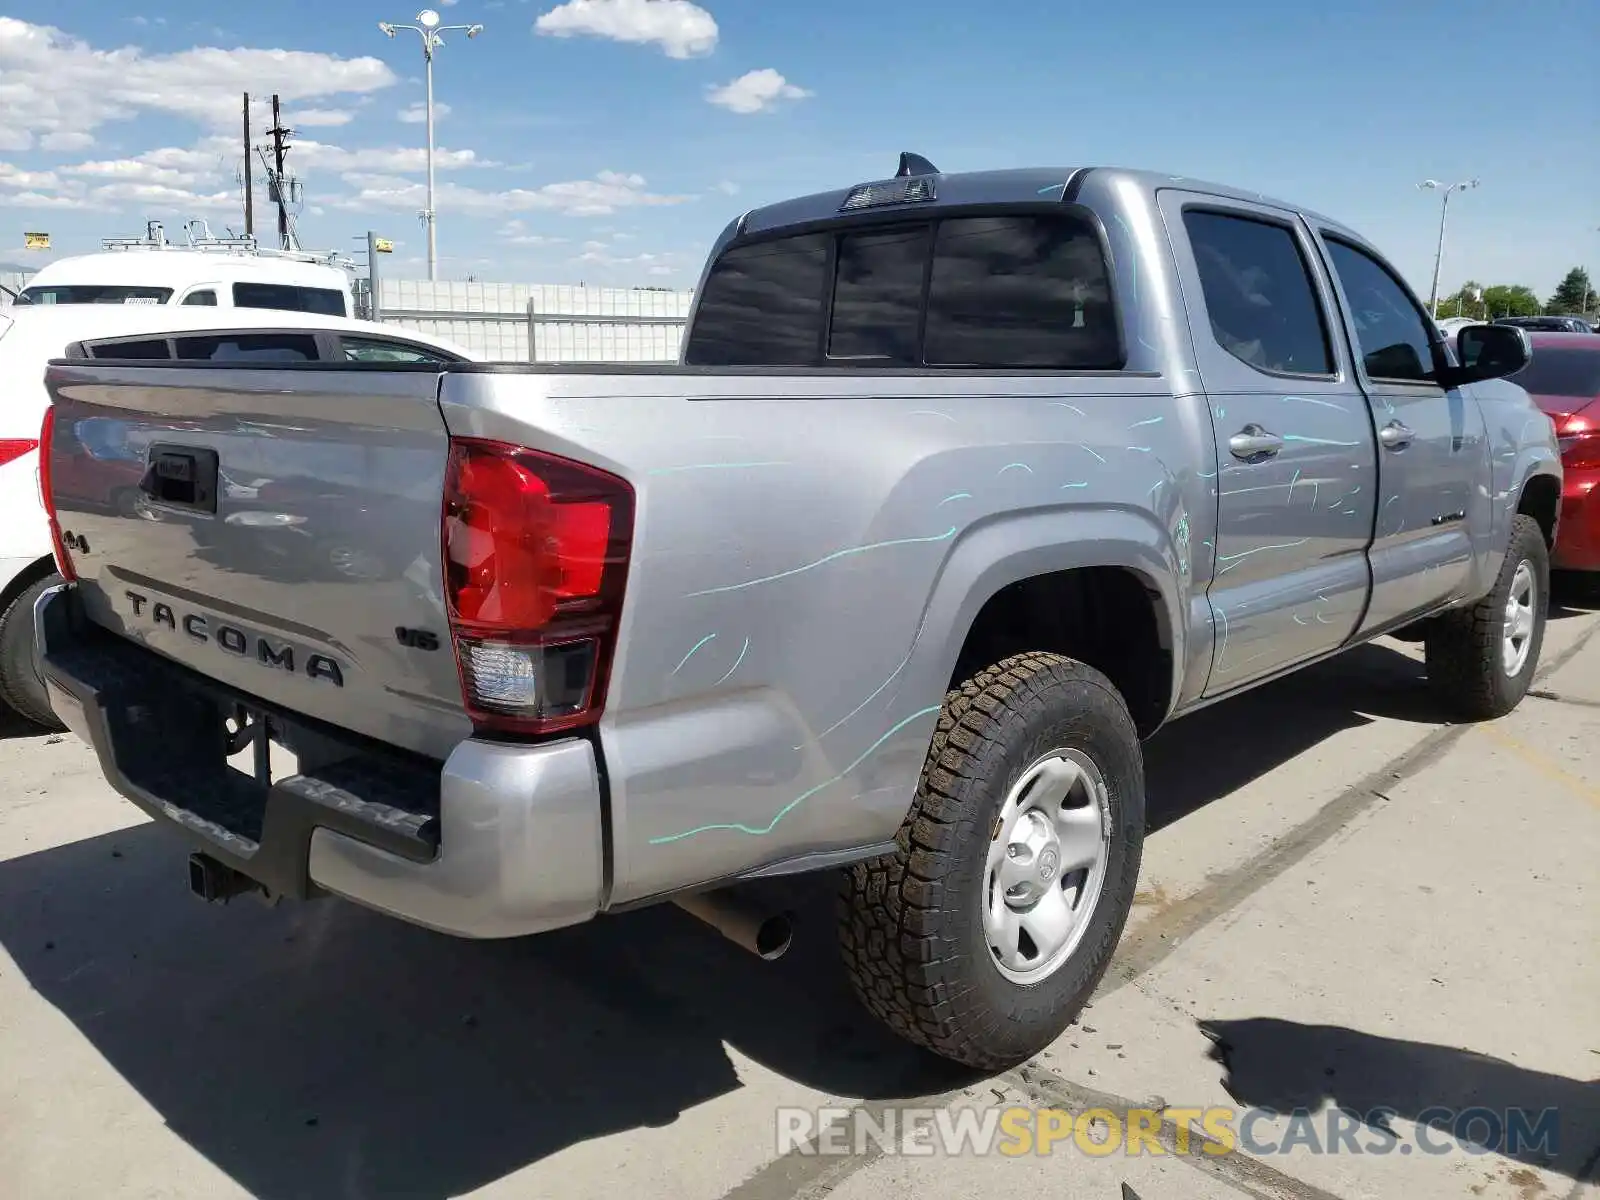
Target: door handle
{"type": "Point", "coordinates": [1253, 443]}
{"type": "Point", "coordinates": [1395, 436]}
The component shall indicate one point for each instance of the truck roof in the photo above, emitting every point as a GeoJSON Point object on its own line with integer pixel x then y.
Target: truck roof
{"type": "Point", "coordinates": [1017, 186]}
{"type": "Point", "coordinates": [179, 268]}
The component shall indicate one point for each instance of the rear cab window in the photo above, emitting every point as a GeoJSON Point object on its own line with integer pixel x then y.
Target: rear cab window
{"type": "Point", "coordinates": [87, 293]}
{"type": "Point", "coordinates": [327, 301]}
{"type": "Point", "coordinates": [1000, 291]}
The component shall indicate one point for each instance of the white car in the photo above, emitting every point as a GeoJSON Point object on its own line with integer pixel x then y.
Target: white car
{"type": "Point", "coordinates": [32, 335]}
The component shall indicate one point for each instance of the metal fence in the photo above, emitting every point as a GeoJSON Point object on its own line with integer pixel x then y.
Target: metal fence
{"type": "Point", "coordinates": [511, 322]}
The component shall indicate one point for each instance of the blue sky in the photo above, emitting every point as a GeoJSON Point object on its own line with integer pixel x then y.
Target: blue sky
{"type": "Point", "coordinates": [611, 144]}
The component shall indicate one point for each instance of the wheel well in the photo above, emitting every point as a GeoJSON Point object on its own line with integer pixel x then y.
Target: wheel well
{"type": "Point", "coordinates": [1106, 617]}
{"type": "Point", "coordinates": [25, 579]}
{"type": "Point", "coordinates": [1541, 500]}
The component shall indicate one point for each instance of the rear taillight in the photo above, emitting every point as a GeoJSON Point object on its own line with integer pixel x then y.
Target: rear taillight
{"type": "Point", "coordinates": [535, 560]}
{"type": "Point", "coordinates": [12, 449]}
{"type": "Point", "coordinates": [46, 494]}
{"type": "Point", "coordinates": [1580, 448]}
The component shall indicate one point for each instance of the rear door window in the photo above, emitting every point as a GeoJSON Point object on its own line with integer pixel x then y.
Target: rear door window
{"type": "Point", "coordinates": [204, 297]}
{"type": "Point", "coordinates": [762, 306]}
{"type": "Point", "coordinates": [326, 301]}
{"type": "Point", "coordinates": [1259, 296]}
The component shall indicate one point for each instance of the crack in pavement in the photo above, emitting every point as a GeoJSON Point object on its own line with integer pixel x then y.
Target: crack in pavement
{"type": "Point", "coordinates": [800, 1176]}
{"type": "Point", "coordinates": [1558, 698]}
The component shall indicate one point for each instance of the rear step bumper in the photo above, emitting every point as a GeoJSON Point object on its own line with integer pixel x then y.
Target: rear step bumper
{"type": "Point", "coordinates": [498, 841]}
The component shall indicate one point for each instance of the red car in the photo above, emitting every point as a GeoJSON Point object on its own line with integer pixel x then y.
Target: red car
{"type": "Point", "coordinates": [1564, 380]}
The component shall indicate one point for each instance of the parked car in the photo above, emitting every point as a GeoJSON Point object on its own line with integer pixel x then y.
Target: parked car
{"type": "Point", "coordinates": [966, 483]}
{"type": "Point", "coordinates": [1548, 324]}
{"type": "Point", "coordinates": [108, 460]}
{"type": "Point", "coordinates": [1564, 380]}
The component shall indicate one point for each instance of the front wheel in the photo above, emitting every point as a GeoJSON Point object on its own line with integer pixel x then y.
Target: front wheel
{"type": "Point", "coordinates": [1481, 659]}
{"type": "Point", "coordinates": [983, 936]}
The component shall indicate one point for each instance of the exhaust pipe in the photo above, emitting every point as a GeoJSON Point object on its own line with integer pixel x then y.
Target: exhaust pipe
{"type": "Point", "coordinates": [765, 934]}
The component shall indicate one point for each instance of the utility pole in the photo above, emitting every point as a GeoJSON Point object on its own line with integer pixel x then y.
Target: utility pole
{"type": "Point", "coordinates": [280, 147]}
{"type": "Point", "coordinates": [249, 176]}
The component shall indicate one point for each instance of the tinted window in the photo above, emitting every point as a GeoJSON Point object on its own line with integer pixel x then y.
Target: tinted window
{"type": "Point", "coordinates": [1259, 295]}
{"type": "Point", "coordinates": [762, 306]}
{"type": "Point", "coordinates": [1561, 373]}
{"type": "Point", "coordinates": [1020, 292]}
{"type": "Point", "coordinates": [250, 347]}
{"type": "Point", "coordinates": [294, 299]}
{"type": "Point", "coordinates": [377, 350]}
{"type": "Point", "coordinates": [93, 294]}
{"type": "Point", "coordinates": [146, 348]}
{"type": "Point", "coordinates": [1391, 332]}
{"type": "Point", "coordinates": [207, 297]}
{"type": "Point", "coordinates": [877, 295]}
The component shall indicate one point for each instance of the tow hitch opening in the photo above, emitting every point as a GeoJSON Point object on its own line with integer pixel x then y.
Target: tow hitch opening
{"type": "Point", "coordinates": [218, 883]}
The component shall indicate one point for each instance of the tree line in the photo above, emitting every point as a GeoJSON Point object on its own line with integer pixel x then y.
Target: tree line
{"type": "Point", "coordinates": [1575, 297]}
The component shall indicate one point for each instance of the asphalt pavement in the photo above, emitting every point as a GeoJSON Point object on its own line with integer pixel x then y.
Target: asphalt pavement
{"type": "Point", "coordinates": [1362, 963]}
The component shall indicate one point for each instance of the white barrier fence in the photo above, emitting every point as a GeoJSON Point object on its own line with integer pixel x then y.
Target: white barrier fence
{"type": "Point", "coordinates": [511, 322]}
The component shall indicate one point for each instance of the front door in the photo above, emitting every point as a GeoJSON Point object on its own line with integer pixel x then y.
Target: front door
{"type": "Point", "coordinates": [1295, 480]}
{"type": "Point", "coordinates": [1428, 441]}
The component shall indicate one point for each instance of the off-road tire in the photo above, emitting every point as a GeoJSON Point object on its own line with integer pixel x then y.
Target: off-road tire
{"type": "Point", "coordinates": [21, 685]}
{"type": "Point", "coordinates": [1465, 669]}
{"type": "Point", "coordinates": [910, 923]}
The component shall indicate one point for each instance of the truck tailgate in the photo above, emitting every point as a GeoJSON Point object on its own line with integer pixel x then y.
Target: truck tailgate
{"type": "Point", "coordinates": [275, 530]}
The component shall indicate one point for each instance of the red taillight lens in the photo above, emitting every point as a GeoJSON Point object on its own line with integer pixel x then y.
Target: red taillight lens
{"type": "Point", "coordinates": [535, 559]}
{"type": "Point", "coordinates": [12, 449]}
{"type": "Point", "coordinates": [46, 437]}
{"type": "Point", "coordinates": [1580, 448]}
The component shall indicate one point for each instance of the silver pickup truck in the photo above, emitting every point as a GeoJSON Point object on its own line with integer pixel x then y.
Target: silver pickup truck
{"type": "Point", "coordinates": [965, 485]}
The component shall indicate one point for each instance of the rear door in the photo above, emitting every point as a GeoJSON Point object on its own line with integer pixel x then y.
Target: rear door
{"type": "Point", "coordinates": [1296, 483]}
{"type": "Point", "coordinates": [1430, 442]}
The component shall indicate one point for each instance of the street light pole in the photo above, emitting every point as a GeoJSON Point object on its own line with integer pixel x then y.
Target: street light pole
{"type": "Point", "coordinates": [1444, 211]}
{"type": "Point", "coordinates": [429, 29]}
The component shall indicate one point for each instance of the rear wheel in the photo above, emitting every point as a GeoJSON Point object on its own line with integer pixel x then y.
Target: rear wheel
{"type": "Point", "coordinates": [983, 936]}
{"type": "Point", "coordinates": [1481, 659]}
{"type": "Point", "coordinates": [21, 684]}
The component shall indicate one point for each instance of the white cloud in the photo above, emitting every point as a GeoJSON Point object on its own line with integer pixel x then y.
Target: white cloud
{"type": "Point", "coordinates": [66, 140]}
{"type": "Point", "coordinates": [312, 117]}
{"type": "Point", "coordinates": [651, 264]}
{"type": "Point", "coordinates": [54, 85]}
{"type": "Point", "coordinates": [417, 113]}
{"type": "Point", "coordinates": [755, 91]}
{"type": "Point", "coordinates": [680, 28]}
{"type": "Point", "coordinates": [515, 231]}
{"type": "Point", "coordinates": [18, 177]}
{"type": "Point", "coordinates": [598, 197]}
{"type": "Point", "coordinates": [38, 200]}
{"type": "Point", "coordinates": [727, 188]}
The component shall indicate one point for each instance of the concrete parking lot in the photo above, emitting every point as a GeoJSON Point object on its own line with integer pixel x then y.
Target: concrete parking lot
{"type": "Point", "coordinates": [1346, 906]}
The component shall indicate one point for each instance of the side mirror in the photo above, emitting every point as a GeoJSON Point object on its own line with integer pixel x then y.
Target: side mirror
{"type": "Point", "coordinates": [1487, 352]}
